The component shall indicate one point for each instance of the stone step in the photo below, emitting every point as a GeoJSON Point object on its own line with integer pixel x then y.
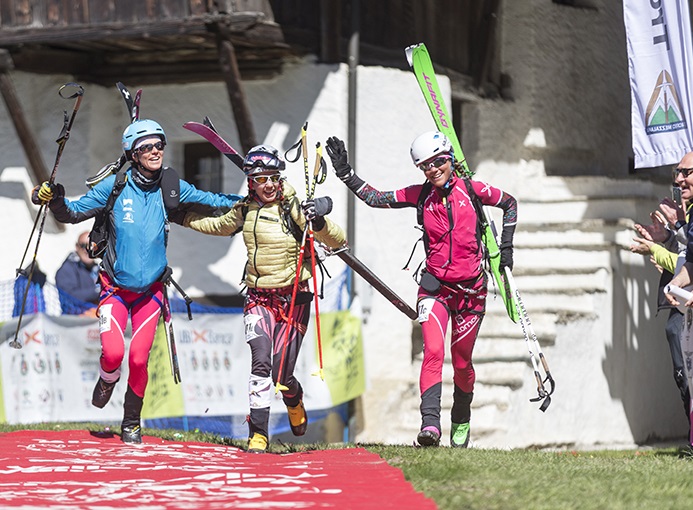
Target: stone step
{"type": "Point", "coordinates": [592, 234]}
{"type": "Point", "coordinates": [574, 210]}
{"type": "Point", "coordinates": [596, 281]}
{"type": "Point", "coordinates": [560, 260]}
{"type": "Point", "coordinates": [489, 350]}
{"type": "Point", "coordinates": [555, 302]}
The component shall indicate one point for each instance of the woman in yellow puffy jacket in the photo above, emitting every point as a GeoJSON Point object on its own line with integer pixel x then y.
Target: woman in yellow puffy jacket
{"type": "Point", "coordinates": [272, 220]}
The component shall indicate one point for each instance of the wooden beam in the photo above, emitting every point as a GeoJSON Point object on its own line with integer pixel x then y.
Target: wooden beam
{"type": "Point", "coordinates": [234, 86]}
{"type": "Point", "coordinates": [26, 137]}
{"type": "Point", "coordinates": [237, 23]}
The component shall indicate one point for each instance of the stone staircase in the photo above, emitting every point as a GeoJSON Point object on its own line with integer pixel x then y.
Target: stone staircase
{"type": "Point", "coordinates": [564, 250]}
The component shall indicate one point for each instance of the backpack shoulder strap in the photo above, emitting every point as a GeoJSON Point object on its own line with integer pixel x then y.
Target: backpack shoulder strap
{"type": "Point", "coordinates": [170, 188]}
{"type": "Point", "coordinates": [118, 185]}
{"type": "Point", "coordinates": [425, 191]}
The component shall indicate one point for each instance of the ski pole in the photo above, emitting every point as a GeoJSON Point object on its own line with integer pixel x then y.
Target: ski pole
{"type": "Point", "coordinates": [304, 150]}
{"type": "Point", "coordinates": [63, 137]}
{"type": "Point", "coordinates": [279, 386]}
{"type": "Point", "coordinates": [170, 339]}
{"type": "Point", "coordinates": [528, 330]}
{"type": "Point", "coordinates": [319, 164]}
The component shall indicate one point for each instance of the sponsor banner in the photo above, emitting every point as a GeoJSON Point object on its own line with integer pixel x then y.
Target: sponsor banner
{"type": "Point", "coordinates": [658, 37]}
{"type": "Point", "coordinates": [51, 378]}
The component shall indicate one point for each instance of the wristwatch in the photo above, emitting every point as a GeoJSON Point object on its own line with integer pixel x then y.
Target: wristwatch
{"type": "Point", "coordinates": [679, 224]}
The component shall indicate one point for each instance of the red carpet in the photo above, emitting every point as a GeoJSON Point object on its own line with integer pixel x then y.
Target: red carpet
{"type": "Point", "coordinates": [78, 469]}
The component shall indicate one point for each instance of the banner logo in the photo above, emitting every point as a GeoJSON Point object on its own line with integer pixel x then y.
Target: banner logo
{"type": "Point", "coordinates": [664, 113]}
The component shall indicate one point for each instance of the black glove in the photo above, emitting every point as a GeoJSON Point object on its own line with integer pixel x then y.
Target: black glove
{"type": "Point", "coordinates": [506, 256]}
{"type": "Point", "coordinates": [47, 192]}
{"type": "Point", "coordinates": [314, 210]}
{"type": "Point", "coordinates": [340, 159]}
{"type": "Point", "coordinates": [316, 207]}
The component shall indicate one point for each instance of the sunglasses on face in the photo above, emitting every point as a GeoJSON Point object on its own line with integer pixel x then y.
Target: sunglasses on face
{"type": "Point", "coordinates": [262, 179]}
{"type": "Point", "coordinates": [84, 246]}
{"type": "Point", "coordinates": [149, 147]}
{"type": "Point", "coordinates": [683, 171]}
{"type": "Point", "coordinates": [436, 163]}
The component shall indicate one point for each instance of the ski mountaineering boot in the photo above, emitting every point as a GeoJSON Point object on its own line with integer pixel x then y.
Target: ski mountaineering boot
{"type": "Point", "coordinates": [131, 432]}
{"type": "Point", "coordinates": [459, 435]}
{"type": "Point", "coordinates": [102, 393]}
{"type": "Point", "coordinates": [298, 419]}
{"type": "Point", "coordinates": [257, 443]}
{"type": "Point", "coordinates": [460, 414]}
{"type": "Point", "coordinates": [258, 427]}
{"type": "Point", "coordinates": [429, 436]}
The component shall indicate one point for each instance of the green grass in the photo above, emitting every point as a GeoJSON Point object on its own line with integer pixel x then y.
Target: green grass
{"type": "Point", "coordinates": [509, 479]}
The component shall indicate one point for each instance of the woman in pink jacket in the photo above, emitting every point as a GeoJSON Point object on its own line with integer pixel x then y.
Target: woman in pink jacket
{"type": "Point", "coordinates": [453, 282]}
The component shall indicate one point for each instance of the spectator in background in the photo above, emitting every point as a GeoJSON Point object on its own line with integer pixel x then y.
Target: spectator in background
{"type": "Point", "coordinates": [78, 276]}
{"type": "Point", "coordinates": [664, 241]}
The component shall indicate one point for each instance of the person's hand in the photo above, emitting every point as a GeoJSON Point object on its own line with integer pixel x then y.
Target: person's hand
{"type": "Point", "coordinates": [641, 246]}
{"type": "Point", "coordinates": [506, 257]}
{"type": "Point", "coordinates": [657, 266]}
{"type": "Point", "coordinates": [671, 211]}
{"type": "Point", "coordinates": [315, 209]}
{"type": "Point", "coordinates": [656, 232]}
{"type": "Point", "coordinates": [340, 159]}
{"type": "Point", "coordinates": [46, 193]}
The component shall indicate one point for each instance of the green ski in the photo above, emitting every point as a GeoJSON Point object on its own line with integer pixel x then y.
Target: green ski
{"type": "Point", "coordinates": [422, 66]}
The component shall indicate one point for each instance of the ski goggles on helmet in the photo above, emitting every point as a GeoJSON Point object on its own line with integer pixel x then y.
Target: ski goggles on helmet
{"type": "Point", "coordinates": [146, 148]}
{"type": "Point", "coordinates": [437, 163]}
{"type": "Point", "coordinates": [262, 179]}
{"type": "Point", "coordinates": [262, 160]}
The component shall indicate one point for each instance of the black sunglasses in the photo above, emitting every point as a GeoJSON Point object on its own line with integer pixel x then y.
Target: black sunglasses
{"type": "Point", "coordinates": [685, 171]}
{"type": "Point", "coordinates": [149, 147]}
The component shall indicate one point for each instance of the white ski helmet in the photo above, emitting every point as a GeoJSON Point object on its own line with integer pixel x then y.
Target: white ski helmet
{"type": "Point", "coordinates": [428, 145]}
{"type": "Point", "coordinates": [262, 158]}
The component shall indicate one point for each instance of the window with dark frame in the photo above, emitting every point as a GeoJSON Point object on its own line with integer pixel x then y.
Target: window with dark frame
{"type": "Point", "coordinates": [203, 167]}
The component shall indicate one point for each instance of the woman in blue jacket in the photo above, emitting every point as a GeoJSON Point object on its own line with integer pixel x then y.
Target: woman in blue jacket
{"type": "Point", "coordinates": [135, 257]}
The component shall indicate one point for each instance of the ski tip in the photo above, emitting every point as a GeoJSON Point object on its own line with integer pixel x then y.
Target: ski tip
{"type": "Point", "coordinates": [208, 122]}
{"type": "Point", "coordinates": [409, 52]}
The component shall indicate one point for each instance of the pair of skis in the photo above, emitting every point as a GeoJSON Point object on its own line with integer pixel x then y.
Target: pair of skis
{"type": "Point", "coordinates": [133, 106]}
{"type": "Point", "coordinates": [420, 62]}
{"type": "Point", "coordinates": [207, 131]}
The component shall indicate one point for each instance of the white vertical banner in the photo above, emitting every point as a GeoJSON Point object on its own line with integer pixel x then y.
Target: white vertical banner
{"type": "Point", "coordinates": [658, 34]}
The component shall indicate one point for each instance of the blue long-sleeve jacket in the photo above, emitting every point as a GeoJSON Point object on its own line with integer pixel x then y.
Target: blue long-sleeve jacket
{"type": "Point", "coordinates": [138, 226]}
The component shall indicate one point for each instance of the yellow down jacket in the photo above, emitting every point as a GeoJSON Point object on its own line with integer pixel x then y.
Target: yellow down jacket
{"type": "Point", "coordinates": [272, 248]}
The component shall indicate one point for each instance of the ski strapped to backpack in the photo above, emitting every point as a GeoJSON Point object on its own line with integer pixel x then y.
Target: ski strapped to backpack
{"type": "Point", "coordinates": [422, 66]}
{"type": "Point", "coordinates": [208, 132]}
{"type": "Point", "coordinates": [133, 106]}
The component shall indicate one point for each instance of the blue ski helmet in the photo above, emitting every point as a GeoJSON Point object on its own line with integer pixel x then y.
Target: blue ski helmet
{"type": "Point", "coordinates": [262, 158]}
{"type": "Point", "coordinates": [140, 129]}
